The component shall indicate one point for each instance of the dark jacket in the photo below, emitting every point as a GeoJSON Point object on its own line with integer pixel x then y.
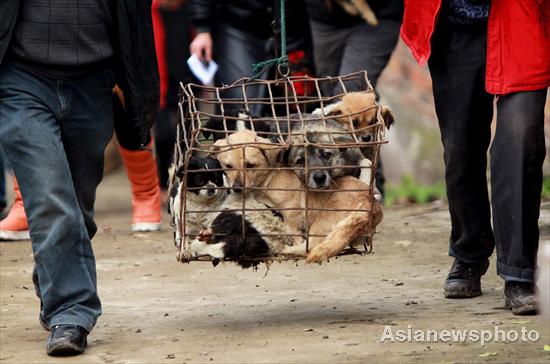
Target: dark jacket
{"type": "Point", "coordinates": [253, 16]}
{"type": "Point", "coordinates": [321, 11]}
{"type": "Point", "coordinates": [135, 61]}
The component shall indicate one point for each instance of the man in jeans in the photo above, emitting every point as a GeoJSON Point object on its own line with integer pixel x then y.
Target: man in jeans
{"type": "Point", "coordinates": [480, 49]}
{"type": "Point", "coordinates": [56, 81]}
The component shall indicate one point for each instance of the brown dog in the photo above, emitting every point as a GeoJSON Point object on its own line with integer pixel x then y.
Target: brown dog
{"type": "Point", "coordinates": [246, 158]}
{"type": "Point", "coordinates": [356, 112]}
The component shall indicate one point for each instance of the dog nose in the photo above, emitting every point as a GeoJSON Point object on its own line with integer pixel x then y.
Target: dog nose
{"type": "Point", "coordinates": [319, 178]}
{"type": "Point", "coordinates": [237, 187]}
{"type": "Point", "coordinates": [366, 138]}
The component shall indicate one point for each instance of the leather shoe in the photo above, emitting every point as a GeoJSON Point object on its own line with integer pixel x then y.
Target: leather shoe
{"type": "Point", "coordinates": [66, 340]}
{"type": "Point", "coordinates": [520, 297]}
{"type": "Point", "coordinates": [464, 279]}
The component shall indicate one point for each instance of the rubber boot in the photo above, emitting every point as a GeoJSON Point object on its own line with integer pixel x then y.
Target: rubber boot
{"type": "Point", "coordinates": [141, 167]}
{"type": "Point", "coordinates": [15, 225]}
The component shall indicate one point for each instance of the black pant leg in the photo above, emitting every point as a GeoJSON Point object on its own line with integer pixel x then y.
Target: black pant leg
{"type": "Point", "coordinates": [464, 111]}
{"type": "Point", "coordinates": [369, 48]}
{"type": "Point", "coordinates": [236, 51]}
{"type": "Point", "coordinates": [517, 155]}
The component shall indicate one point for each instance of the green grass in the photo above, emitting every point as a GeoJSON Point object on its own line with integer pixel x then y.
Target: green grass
{"type": "Point", "coordinates": [410, 191]}
{"type": "Point", "coordinates": [546, 188]}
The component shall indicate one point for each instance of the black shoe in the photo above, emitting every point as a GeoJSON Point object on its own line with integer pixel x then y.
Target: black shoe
{"type": "Point", "coordinates": [41, 319]}
{"type": "Point", "coordinates": [463, 280]}
{"type": "Point", "coordinates": [520, 297]}
{"type": "Point", "coordinates": [66, 340]}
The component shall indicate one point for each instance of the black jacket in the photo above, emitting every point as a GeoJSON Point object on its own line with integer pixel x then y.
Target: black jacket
{"type": "Point", "coordinates": [253, 16]}
{"type": "Point", "coordinates": [384, 9]}
{"type": "Point", "coordinates": [135, 61]}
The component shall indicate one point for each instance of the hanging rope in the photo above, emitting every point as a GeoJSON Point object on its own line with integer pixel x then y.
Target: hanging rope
{"type": "Point", "coordinates": [282, 61]}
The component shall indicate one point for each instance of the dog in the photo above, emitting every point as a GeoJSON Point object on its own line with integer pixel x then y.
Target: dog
{"type": "Point", "coordinates": [205, 193]}
{"type": "Point", "coordinates": [265, 233]}
{"type": "Point", "coordinates": [246, 158]}
{"type": "Point", "coordinates": [325, 160]}
{"type": "Point", "coordinates": [356, 111]}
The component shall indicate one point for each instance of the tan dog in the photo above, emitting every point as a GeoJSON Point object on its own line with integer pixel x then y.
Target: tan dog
{"type": "Point", "coordinates": [356, 112]}
{"type": "Point", "coordinates": [246, 157]}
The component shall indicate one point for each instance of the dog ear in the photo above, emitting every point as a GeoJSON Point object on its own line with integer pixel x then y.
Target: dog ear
{"type": "Point", "coordinates": [260, 127]}
{"type": "Point", "coordinates": [215, 124]}
{"type": "Point", "coordinates": [387, 116]}
{"type": "Point", "coordinates": [271, 152]}
{"type": "Point", "coordinates": [335, 109]}
{"type": "Point", "coordinates": [212, 123]}
{"type": "Point", "coordinates": [217, 147]}
{"type": "Point", "coordinates": [284, 155]}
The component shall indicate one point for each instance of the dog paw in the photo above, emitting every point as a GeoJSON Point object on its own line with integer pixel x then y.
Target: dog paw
{"type": "Point", "coordinates": [320, 253]}
{"type": "Point", "coordinates": [205, 236]}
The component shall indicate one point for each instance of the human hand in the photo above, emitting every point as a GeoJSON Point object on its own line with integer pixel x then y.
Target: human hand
{"type": "Point", "coordinates": [201, 46]}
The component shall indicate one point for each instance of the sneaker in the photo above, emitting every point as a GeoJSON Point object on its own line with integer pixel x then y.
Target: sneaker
{"type": "Point", "coordinates": [464, 279]}
{"type": "Point", "coordinates": [15, 226]}
{"type": "Point", "coordinates": [520, 297]}
{"type": "Point", "coordinates": [67, 340]}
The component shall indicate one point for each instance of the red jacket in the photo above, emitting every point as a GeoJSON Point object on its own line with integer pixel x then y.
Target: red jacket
{"type": "Point", "coordinates": [518, 41]}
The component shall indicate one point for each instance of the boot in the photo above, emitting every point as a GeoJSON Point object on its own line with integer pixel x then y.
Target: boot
{"type": "Point", "coordinates": [141, 166]}
{"type": "Point", "coordinates": [15, 226]}
{"type": "Point", "coordinates": [520, 297]}
{"type": "Point", "coordinates": [464, 279]}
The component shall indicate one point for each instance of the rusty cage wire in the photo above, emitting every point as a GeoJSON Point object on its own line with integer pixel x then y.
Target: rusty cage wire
{"type": "Point", "coordinates": [287, 113]}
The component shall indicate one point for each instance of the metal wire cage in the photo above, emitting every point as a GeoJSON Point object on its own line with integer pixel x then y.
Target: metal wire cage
{"type": "Point", "coordinates": [289, 107]}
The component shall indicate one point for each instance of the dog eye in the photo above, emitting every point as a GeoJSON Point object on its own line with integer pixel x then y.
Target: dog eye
{"type": "Point", "coordinates": [229, 166]}
{"type": "Point", "coordinates": [325, 155]}
{"type": "Point", "coordinates": [300, 160]}
{"type": "Point", "coordinates": [250, 165]}
{"type": "Point", "coordinates": [199, 179]}
{"type": "Point", "coordinates": [356, 124]}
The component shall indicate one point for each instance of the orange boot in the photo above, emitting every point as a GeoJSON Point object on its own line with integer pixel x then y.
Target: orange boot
{"type": "Point", "coordinates": [15, 226]}
{"type": "Point", "coordinates": [141, 166]}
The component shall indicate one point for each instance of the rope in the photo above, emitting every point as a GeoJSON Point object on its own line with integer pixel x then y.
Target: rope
{"type": "Point", "coordinates": [282, 61]}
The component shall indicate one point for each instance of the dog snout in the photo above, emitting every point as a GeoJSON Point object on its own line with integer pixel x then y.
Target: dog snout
{"type": "Point", "coordinates": [319, 179]}
{"type": "Point", "coordinates": [366, 138]}
{"type": "Point", "coordinates": [237, 187]}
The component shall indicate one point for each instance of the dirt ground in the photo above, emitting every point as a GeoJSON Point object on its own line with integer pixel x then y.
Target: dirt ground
{"type": "Point", "coordinates": [159, 311]}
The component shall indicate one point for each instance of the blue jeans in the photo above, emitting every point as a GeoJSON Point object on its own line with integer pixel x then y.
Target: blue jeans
{"type": "Point", "coordinates": [54, 133]}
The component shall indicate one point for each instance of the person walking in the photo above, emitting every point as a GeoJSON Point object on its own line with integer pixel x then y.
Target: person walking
{"type": "Point", "coordinates": [479, 51]}
{"type": "Point", "coordinates": [59, 62]}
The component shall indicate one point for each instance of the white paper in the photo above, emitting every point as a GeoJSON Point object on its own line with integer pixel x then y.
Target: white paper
{"type": "Point", "coordinates": [205, 73]}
